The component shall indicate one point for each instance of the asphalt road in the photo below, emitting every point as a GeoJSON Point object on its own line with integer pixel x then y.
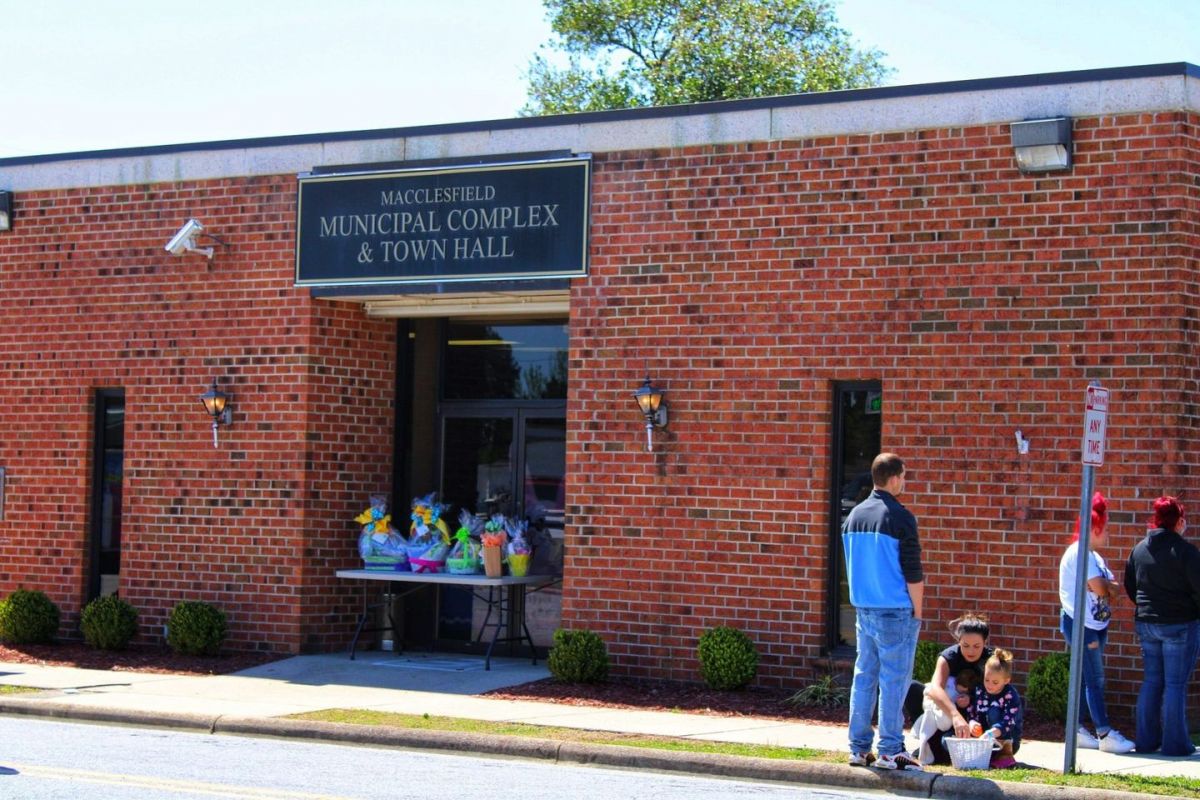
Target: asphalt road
{"type": "Point", "coordinates": [41, 759]}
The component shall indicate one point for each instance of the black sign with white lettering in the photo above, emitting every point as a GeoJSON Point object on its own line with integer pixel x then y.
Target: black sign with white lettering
{"type": "Point", "coordinates": [478, 223]}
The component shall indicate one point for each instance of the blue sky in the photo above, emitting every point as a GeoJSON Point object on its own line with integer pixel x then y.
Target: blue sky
{"type": "Point", "coordinates": [98, 74]}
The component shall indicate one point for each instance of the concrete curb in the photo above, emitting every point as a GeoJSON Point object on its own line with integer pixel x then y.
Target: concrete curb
{"type": "Point", "coordinates": [920, 784]}
{"type": "Point", "coordinates": [960, 787]}
{"type": "Point", "coordinates": [150, 719]}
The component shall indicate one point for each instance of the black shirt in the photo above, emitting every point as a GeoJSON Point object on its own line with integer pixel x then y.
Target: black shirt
{"type": "Point", "coordinates": [1162, 577]}
{"type": "Point", "coordinates": [954, 658]}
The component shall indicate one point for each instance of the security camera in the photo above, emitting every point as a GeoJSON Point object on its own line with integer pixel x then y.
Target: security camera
{"type": "Point", "coordinates": [184, 240]}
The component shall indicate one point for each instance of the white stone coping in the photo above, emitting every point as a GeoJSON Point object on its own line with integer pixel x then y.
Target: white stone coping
{"type": "Point", "coordinates": [1085, 94]}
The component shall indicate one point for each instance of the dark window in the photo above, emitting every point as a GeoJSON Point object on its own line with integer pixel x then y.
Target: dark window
{"type": "Point", "coordinates": [108, 476]}
{"type": "Point", "coordinates": [857, 432]}
{"type": "Point", "coordinates": [499, 361]}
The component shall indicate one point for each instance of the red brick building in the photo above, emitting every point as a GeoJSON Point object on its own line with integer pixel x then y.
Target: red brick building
{"type": "Point", "coordinates": [810, 278]}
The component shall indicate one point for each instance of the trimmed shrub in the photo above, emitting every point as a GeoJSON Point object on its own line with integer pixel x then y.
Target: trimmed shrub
{"type": "Point", "coordinates": [1049, 680]}
{"type": "Point", "coordinates": [28, 617]}
{"type": "Point", "coordinates": [728, 659]}
{"type": "Point", "coordinates": [108, 623]}
{"type": "Point", "coordinates": [925, 660]}
{"type": "Point", "coordinates": [196, 628]}
{"type": "Point", "coordinates": [578, 657]}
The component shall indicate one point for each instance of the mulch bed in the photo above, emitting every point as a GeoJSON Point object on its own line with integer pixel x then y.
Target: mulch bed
{"type": "Point", "coordinates": [135, 659]}
{"type": "Point", "coordinates": [645, 695]}
{"type": "Point", "coordinates": [648, 695]}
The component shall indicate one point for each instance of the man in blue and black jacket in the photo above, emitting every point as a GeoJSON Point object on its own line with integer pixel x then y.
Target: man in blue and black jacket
{"type": "Point", "coordinates": [887, 589]}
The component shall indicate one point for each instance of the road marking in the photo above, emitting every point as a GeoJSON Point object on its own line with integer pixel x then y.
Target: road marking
{"type": "Point", "coordinates": [167, 784]}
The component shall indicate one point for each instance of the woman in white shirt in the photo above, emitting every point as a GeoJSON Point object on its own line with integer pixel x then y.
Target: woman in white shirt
{"type": "Point", "coordinates": [1101, 590]}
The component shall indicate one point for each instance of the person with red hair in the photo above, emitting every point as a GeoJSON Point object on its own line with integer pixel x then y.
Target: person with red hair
{"type": "Point", "coordinates": [1101, 591]}
{"type": "Point", "coordinates": [1162, 576]}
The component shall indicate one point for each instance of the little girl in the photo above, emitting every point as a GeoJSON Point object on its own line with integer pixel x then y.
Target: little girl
{"type": "Point", "coordinates": [996, 706]}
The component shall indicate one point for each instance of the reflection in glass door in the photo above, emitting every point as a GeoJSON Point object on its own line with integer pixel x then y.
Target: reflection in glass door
{"type": "Point", "coordinates": [477, 465]}
{"type": "Point", "coordinates": [857, 430]}
{"type": "Point", "coordinates": [511, 463]}
{"type": "Point", "coordinates": [543, 465]}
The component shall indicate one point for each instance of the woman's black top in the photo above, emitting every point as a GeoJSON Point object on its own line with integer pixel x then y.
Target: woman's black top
{"type": "Point", "coordinates": [1162, 577]}
{"type": "Point", "coordinates": [957, 663]}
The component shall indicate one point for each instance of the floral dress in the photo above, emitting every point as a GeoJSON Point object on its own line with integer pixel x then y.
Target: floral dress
{"type": "Point", "coordinates": [1001, 711]}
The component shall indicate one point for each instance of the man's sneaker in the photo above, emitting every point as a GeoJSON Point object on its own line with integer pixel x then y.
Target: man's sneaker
{"type": "Point", "coordinates": [901, 760]}
{"type": "Point", "coordinates": [861, 759]}
{"type": "Point", "coordinates": [1114, 742]}
{"type": "Point", "coordinates": [1085, 741]}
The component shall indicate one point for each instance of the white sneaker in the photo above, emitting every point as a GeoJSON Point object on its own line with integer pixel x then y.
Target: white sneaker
{"type": "Point", "coordinates": [1114, 742]}
{"type": "Point", "coordinates": [901, 760]}
{"type": "Point", "coordinates": [1085, 741]}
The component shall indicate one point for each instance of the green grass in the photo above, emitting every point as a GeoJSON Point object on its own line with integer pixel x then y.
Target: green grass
{"type": "Point", "coordinates": [1170, 786]}
{"type": "Point", "coordinates": [7, 689]}
{"type": "Point", "coordinates": [460, 725]}
{"type": "Point", "coordinates": [1145, 784]}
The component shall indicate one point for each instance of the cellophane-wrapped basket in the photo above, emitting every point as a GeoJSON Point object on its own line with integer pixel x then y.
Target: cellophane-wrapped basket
{"type": "Point", "coordinates": [381, 546]}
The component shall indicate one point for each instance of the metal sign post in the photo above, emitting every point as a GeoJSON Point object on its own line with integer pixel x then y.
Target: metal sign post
{"type": "Point", "coordinates": [1095, 421]}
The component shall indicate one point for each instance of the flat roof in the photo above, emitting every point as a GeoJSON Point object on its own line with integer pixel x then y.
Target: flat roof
{"type": "Point", "coordinates": [1078, 93]}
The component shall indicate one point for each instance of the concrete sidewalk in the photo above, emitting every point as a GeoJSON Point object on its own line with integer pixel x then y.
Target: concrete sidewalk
{"type": "Point", "coordinates": [254, 701]}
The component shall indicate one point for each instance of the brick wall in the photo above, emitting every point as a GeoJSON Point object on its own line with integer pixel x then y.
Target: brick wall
{"type": "Point", "coordinates": [92, 300]}
{"type": "Point", "coordinates": [748, 279]}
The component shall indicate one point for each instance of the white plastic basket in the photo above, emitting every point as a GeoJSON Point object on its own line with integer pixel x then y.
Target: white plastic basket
{"type": "Point", "coordinates": [970, 753]}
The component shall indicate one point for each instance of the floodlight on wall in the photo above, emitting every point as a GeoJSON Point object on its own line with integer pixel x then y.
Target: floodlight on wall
{"type": "Point", "coordinates": [184, 240]}
{"type": "Point", "coordinates": [1042, 145]}
{"type": "Point", "coordinates": [216, 403]}
{"type": "Point", "coordinates": [6, 214]}
{"type": "Point", "coordinates": [650, 401]}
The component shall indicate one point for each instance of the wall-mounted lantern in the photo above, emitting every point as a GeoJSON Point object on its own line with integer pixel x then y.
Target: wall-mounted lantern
{"type": "Point", "coordinates": [650, 401]}
{"type": "Point", "coordinates": [216, 403]}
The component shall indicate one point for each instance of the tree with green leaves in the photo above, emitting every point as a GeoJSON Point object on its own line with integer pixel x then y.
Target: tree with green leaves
{"type": "Point", "coordinates": [634, 53]}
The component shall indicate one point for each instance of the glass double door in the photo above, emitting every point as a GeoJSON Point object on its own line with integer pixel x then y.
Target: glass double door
{"type": "Point", "coordinates": [509, 459]}
{"type": "Point", "coordinates": [511, 463]}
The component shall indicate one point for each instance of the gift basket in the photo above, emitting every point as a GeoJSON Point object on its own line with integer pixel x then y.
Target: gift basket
{"type": "Point", "coordinates": [493, 538]}
{"type": "Point", "coordinates": [429, 538]}
{"type": "Point", "coordinates": [967, 753]}
{"type": "Point", "coordinates": [464, 557]}
{"type": "Point", "coordinates": [381, 546]}
{"type": "Point", "coordinates": [517, 550]}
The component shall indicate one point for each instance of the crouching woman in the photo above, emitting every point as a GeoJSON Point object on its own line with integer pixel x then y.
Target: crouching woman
{"type": "Point", "coordinates": [958, 671]}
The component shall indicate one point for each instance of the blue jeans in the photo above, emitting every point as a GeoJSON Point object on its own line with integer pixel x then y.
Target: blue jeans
{"type": "Point", "coordinates": [1168, 656]}
{"type": "Point", "coordinates": [1093, 672]}
{"type": "Point", "coordinates": [887, 640]}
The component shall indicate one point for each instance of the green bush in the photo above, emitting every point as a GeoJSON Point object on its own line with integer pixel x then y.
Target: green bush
{"type": "Point", "coordinates": [108, 623]}
{"type": "Point", "coordinates": [196, 629]}
{"type": "Point", "coordinates": [824, 693]}
{"type": "Point", "coordinates": [578, 657]}
{"type": "Point", "coordinates": [28, 616]}
{"type": "Point", "coordinates": [728, 659]}
{"type": "Point", "coordinates": [1049, 680]}
{"type": "Point", "coordinates": [925, 660]}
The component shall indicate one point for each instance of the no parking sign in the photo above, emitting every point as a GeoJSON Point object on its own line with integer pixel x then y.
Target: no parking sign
{"type": "Point", "coordinates": [1095, 419]}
